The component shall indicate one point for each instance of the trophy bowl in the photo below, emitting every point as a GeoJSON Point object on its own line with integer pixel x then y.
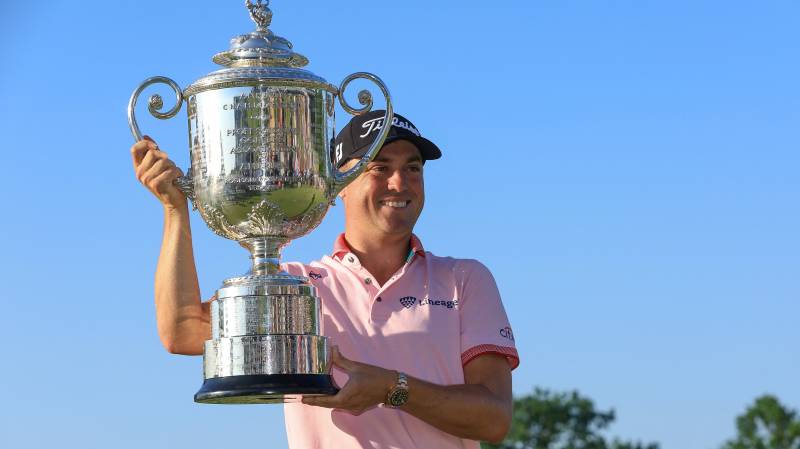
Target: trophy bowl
{"type": "Point", "coordinates": [260, 159]}
{"type": "Point", "coordinates": [260, 131]}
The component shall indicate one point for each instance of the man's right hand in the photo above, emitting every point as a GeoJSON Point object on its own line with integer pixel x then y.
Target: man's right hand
{"type": "Point", "coordinates": [157, 173]}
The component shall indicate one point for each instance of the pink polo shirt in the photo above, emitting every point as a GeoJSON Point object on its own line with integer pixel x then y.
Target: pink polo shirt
{"type": "Point", "coordinates": [431, 318]}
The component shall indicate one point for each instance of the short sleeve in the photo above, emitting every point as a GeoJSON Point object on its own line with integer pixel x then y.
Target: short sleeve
{"type": "Point", "coordinates": [295, 268]}
{"type": "Point", "coordinates": [485, 328]}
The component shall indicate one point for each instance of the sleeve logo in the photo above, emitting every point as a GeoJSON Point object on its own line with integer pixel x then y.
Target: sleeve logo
{"type": "Point", "coordinates": [506, 333]}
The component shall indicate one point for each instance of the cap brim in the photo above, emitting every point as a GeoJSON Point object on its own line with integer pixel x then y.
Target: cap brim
{"type": "Point", "coordinates": [427, 149]}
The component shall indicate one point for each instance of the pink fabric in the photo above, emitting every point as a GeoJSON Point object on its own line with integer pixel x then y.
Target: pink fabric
{"type": "Point", "coordinates": [432, 317]}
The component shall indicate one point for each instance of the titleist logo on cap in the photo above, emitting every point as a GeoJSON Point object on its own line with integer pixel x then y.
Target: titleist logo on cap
{"type": "Point", "coordinates": [377, 123]}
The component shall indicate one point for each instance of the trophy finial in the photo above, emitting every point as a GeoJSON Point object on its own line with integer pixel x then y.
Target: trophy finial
{"type": "Point", "coordinates": [260, 13]}
{"type": "Point", "coordinates": [260, 48]}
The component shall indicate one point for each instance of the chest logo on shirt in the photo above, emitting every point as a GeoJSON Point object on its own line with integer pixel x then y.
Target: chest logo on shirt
{"type": "Point", "coordinates": [408, 301]}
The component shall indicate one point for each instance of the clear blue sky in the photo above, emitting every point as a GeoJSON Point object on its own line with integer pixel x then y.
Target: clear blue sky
{"type": "Point", "coordinates": [627, 169]}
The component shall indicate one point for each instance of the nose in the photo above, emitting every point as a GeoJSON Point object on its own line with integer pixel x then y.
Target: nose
{"type": "Point", "coordinates": [398, 181]}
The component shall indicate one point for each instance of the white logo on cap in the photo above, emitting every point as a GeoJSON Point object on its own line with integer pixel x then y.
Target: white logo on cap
{"type": "Point", "coordinates": [338, 155]}
{"type": "Point", "coordinates": [377, 123]}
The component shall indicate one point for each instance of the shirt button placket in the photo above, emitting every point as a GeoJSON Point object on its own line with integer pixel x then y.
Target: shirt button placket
{"type": "Point", "coordinates": [378, 310]}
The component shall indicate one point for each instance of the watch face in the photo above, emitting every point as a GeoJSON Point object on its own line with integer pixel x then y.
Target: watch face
{"type": "Point", "coordinates": [398, 397]}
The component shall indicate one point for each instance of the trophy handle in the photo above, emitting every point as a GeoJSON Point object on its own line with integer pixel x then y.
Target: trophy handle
{"type": "Point", "coordinates": [341, 179]}
{"type": "Point", "coordinates": [154, 105]}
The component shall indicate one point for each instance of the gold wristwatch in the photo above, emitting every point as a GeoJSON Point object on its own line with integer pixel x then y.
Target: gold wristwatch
{"type": "Point", "coordinates": [399, 394]}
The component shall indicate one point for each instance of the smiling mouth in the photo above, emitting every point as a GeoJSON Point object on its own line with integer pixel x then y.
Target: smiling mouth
{"type": "Point", "coordinates": [396, 204]}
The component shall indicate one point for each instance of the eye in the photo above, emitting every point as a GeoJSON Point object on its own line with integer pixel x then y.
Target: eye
{"type": "Point", "coordinates": [378, 168]}
{"type": "Point", "coordinates": [415, 168]}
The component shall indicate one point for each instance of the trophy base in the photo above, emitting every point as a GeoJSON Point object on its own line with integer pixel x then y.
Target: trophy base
{"type": "Point", "coordinates": [264, 388]}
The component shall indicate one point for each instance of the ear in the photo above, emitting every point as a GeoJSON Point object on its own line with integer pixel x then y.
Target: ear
{"type": "Point", "coordinates": [342, 193]}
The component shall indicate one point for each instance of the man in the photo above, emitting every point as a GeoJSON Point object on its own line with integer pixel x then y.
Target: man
{"type": "Point", "coordinates": [423, 349]}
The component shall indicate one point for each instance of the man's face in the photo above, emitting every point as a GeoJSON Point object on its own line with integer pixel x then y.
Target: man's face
{"type": "Point", "coordinates": [388, 197]}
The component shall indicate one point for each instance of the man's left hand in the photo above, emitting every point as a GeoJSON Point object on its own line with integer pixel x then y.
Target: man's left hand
{"type": "Point", "coordinates": [366, 387]}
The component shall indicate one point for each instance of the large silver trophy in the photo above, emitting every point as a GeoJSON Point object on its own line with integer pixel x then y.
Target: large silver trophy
{"type": "Point", "coordinates": [261, 173]}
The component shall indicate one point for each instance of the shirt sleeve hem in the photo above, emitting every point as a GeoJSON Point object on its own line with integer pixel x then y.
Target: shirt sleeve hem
{"type": "Point", "coordinates": [509, 353]}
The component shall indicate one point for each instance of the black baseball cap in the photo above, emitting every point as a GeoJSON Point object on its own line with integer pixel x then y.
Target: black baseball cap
{"type": "Point", "coordinates": [356, 137]}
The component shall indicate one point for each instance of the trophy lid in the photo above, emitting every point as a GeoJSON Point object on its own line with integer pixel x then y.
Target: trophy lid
{"type": "Point", "coordinates": [262, 47]}
{"type": "Point", "coordinates": [259, 57]}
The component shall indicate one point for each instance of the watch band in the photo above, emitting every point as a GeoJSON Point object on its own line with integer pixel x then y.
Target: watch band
{"type": "Point", "coordinates": [402, 380]}
{"type": "Point", "coordinates": [399, 394]}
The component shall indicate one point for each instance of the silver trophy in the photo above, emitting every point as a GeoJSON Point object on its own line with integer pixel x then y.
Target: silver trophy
{"type": "Point", "coordinates": [261, 173]}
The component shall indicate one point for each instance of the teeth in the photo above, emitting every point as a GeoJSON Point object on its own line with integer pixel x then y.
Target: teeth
{"type": "Point", "coordinates": [396, 203]}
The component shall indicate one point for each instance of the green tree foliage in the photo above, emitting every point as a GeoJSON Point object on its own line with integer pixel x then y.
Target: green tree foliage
{"type": "Point", "coordinates": [547, 420]}
{"type": "Point", "coordinates": [766, 424]}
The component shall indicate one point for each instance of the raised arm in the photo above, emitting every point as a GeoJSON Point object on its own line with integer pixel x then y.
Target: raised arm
{"type": "Point", "coordinates": [183, 319]}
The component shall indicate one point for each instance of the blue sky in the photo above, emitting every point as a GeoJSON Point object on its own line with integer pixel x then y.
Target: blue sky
{"type": "Point", "coordinates": [627, 169]}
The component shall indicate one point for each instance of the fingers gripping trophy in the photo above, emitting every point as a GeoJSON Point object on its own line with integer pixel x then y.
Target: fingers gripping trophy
{"type": "Point", "coordinates": [261, 174]}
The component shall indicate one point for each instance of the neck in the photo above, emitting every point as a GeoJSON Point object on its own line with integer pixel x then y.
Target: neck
{"type": "Point", "coordinates": [381, 255]}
